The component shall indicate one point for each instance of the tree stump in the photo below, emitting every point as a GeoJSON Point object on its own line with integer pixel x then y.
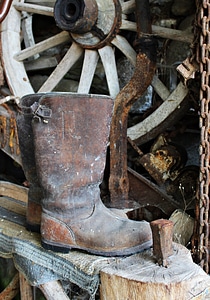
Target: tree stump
{"type": "Point", "coordinates": [140, 277]}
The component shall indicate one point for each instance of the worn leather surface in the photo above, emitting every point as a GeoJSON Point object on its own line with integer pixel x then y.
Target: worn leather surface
{"type": "Point", "coordinates": [70, 149]}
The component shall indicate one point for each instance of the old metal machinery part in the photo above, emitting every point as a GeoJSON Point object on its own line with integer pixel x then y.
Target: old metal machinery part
{"type": "Point", "coordinates": [143, 75]}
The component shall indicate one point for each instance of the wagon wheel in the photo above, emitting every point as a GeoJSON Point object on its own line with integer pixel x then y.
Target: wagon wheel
{"type": "Point", "coordinates": [112, 24]}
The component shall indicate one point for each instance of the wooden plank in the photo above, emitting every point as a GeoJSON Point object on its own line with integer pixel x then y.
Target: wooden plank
{"type": "Point", "coordinates": [15, 206]}
{"type": "Point", "coordinates": [53, 290]}
{"type": "Point", "coordinates": [14, 191]}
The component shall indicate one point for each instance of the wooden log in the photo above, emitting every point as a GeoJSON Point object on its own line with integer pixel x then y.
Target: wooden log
{"type": "Point", "coordinates": [139, 277]}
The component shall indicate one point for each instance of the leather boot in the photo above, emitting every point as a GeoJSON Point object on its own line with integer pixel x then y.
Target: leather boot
{"type": "Point", "coordinates": [26, 142]}
{"type": "Point", "coordinates": [70, 149]}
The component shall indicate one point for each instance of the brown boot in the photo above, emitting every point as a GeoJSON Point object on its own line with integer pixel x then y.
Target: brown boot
{"type": "Point", "coordinates": [70, 149]}
{"type": "Point", "coordinates": [26, 142]}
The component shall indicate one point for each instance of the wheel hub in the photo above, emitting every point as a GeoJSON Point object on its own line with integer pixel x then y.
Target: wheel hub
{"type": "Point", "coordinates": [91, 23]}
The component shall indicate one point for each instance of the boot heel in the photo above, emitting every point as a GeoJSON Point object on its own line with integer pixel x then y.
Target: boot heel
{"type": "Point", "coordinates": [56, 236]}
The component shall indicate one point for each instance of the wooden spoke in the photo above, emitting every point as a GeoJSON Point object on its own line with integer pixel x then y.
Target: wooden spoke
{"type": "Point", "coordinates": [88, 70]}
{"type": "Point", "coordinates": [173, 34]}
{"type": "Point", "coordinates": [128, 25]}
{"type": "Point", "coordinates": [128, 7]}
{"type": "Point", "coordinates": [36, 9]}
{"type": "Point", "coordinates": [48, 3]}
{"type": "Point", "coordinates": [71, 57]}
{"type": "Point", "coordinates": [122, 44]}
{"type": "Point", "coordinates": [108, 60]}
{"type": "Point", "coordinates": [163, 32]}
{"type": "Point", "coordinates": [42, 46]}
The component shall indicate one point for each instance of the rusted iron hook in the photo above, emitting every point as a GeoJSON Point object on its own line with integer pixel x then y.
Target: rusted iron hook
{"type": "Point", "coordinates": [4, 9]}
{"type": "Point", "coordinates": [145, 68]}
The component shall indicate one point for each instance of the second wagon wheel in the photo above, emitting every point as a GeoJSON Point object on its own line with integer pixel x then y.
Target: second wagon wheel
{"type": "Point", "coordinates": [102, 42]}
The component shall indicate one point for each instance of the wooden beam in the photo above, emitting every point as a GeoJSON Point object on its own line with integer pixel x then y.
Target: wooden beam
{"type": "Point", "coordinates": [14, 191]}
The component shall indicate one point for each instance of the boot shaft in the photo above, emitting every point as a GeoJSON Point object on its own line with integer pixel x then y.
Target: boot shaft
{"type": "Point", "coordinates": [71, 146]}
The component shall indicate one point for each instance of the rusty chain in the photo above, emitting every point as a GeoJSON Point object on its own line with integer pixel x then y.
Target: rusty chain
{"type": "Point", "coordinates": [202, 34]}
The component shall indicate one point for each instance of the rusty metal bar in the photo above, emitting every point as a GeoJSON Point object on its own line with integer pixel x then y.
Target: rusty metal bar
{"type": "Point", "coordinates": [143, 75]}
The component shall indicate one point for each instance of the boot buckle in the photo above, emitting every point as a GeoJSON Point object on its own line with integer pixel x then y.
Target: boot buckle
{"type": "Point", "coordinates": [41, 112]}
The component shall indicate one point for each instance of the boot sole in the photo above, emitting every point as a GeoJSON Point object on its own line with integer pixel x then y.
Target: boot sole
{"type": "Point", "coordinates": [33, 227]}
{"type": "Point", "coordinates": [66, 249]}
